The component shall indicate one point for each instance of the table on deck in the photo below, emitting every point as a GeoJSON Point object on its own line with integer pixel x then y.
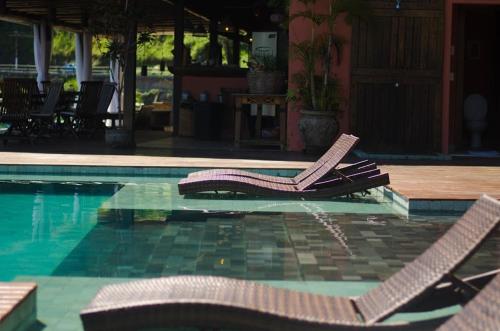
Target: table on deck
{"type": "Point", "coordinates": [279, 100]}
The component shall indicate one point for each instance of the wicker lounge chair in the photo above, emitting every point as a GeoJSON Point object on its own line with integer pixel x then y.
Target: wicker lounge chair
{"type": "Point", "coordinates": [316, 186]}
{"type": "Point", "coordinates": [82, 120]}
{"type": "Point", "coordinates": [344, 144]}
{"type": "Point", "coordinates": [43, 119]}
{"type": "Point", "coordinates": [214, 302]}
{"type": "Point", "coordinates": [20, 98]}
{"type": "Point", "coordinates": [309, 189]}
{"type": "Point", "coordinates": [481, 314]}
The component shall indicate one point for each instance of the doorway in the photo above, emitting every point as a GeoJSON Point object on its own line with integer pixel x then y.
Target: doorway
{"type": "Point", "coordinates": [477, 71]}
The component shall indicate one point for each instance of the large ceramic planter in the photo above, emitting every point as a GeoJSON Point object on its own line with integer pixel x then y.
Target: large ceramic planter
{"type": "Point", "coordinates": [318, 129]}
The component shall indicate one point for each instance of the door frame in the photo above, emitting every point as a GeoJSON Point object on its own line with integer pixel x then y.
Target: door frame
{"type": "Point", "coordinates": [450, 73]}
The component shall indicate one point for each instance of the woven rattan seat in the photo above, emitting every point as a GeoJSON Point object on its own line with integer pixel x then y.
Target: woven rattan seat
{"type": "Point", "coordinates": [205, 302]}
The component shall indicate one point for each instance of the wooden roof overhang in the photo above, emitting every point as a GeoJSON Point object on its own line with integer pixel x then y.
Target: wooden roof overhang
{"type": "Point", "coordinates": [75, 15]}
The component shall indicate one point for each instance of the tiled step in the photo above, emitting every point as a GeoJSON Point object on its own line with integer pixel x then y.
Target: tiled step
{"type": "Point", "coordinates": [17, 306]}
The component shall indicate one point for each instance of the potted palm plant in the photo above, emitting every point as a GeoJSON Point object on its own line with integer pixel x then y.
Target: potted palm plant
{"type": "Point", "coordinates": [318, 92]}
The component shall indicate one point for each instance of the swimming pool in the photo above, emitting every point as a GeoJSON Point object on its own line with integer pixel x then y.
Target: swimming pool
{"type": "Point", "coordinates": [73, 234]}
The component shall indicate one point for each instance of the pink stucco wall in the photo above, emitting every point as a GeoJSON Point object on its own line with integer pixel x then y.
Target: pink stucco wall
{"type": "Point", "coordinates": [299, 30]}
{"type": "Point", "coordinates": [196, 85]}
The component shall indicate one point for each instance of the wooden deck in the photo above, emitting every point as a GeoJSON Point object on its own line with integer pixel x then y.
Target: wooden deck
{"type": "Point", "coordinates": [413, 181]}
{"type": "Point", "coordinates": [17, 305]}
{"type": "Point", "coordinates": [444, 182]}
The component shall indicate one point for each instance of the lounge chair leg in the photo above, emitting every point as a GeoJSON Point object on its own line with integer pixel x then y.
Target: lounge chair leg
{"type": "Point", "coordinates": [466, 290]}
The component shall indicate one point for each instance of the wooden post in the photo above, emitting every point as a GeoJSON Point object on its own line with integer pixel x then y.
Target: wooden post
{"type": "Point", "coordinates": [129, 77]}
{"type": "Point", "coordinates": [213, 41]}
{"type": "Point", "coordinates": [178, 62]}
{"type": "Point", "coordinates": [236, 46]}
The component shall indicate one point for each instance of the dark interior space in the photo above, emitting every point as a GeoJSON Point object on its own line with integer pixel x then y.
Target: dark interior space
{"type": "Point", "coordinates": [481, 69]}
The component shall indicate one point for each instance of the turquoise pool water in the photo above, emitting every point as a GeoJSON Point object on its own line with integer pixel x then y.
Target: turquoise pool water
{"type": "Point", "coordinates": [73, 234]}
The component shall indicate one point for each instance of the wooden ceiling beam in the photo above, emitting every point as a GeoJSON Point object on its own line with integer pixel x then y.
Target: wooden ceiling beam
{"type": "Point", "coordinates": [28, 19]}
{"type": "Point", "coordinates": [3, 6]}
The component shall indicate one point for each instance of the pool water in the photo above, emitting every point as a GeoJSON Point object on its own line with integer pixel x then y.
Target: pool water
{"type": "Point", "coordinates": [72, 235]}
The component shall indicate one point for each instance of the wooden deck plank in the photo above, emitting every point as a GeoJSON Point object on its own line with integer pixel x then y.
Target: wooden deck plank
{"type": "Point", "coordinates": [17, 305]}
{"type": "Point", "coordinates": [444, 182]}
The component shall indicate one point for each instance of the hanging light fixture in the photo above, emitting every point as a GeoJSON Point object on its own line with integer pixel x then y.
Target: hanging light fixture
{"type": "Point", "coordinates": [398, 4]}
{"type": "Point", "coordinates": [226, 25]}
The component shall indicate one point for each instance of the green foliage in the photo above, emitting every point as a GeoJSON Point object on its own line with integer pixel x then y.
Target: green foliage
{"type": "Point", "coordinates": [317, 89]}
{"type": "Point", "coordinates": [138, 97]}
{"type": "Point", "coordinates": [63, 46]}
{"type": "Point", "coordinates": [71, 84]}
{"type": "Point", "coordinates": [160, 48]}
{"type": "Point", "coordinates": [328, 99]}
{"type": "Point", "coordinates": [149, 96]}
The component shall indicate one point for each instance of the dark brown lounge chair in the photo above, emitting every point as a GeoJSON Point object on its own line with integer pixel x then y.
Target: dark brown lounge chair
{"type": "Point", "coordinates": [481, 314]}
{"type": "Point", "coordinates": [344, 144]}
{"type": "Point", "coordinates": [217, 302]}
{"type": "Point", "coordinates": [313, 187]}
{"type": "Point", "coordinates": [308, 189]}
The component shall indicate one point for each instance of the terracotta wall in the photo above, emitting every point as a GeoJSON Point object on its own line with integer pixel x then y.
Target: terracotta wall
{"type": "Point", "coordinates": [299, 30]}
{"type": "Point", "coordinates": [212, 85]}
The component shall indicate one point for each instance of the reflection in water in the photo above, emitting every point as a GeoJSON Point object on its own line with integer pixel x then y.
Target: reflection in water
{"type": "Point", "coordinates": [76, 208]}
{"type": "Point", "coordinates": [37, 217]}
{"type": "Point", "coordinates": [330, 224]}
{"type": "Point", "coordinates": [324, 218]}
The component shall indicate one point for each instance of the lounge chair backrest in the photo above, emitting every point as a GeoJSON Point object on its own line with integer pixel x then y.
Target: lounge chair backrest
{"type": "Point", "coordinates": [481, 314]}
{"type": "Point", "coordinates": [327, 162]}
{"type": "Point", "coordinates": [19, 95]}
{"type": "Point", "coordinates": [52, 98]}
{"type": "Point", "coordinates": [107, 92]}
{"type": "Point", "coordinates": [89, 97]}
{"type": "Point", "coordinates": [426, 271]}
{"type": "Point", "coordinates": [343, 139]}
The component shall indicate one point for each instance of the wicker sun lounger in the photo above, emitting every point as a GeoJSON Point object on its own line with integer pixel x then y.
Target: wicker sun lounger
{"type": "Point", "coordinates": [344, 144]}
{"type": "Point", "coordinates": [480, 314]}
{"type": "Point", "coordinates": [308, 189]}
{"type": "Point", "coordinates": [217, 302]}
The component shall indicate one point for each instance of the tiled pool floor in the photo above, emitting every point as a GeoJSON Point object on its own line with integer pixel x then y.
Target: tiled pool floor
{"type": "Point", "coordinates": [91, 234]}
{"type": "Point", "coordinates": [258, 246]}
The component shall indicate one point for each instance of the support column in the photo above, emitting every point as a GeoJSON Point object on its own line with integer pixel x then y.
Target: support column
{"type": "Point", "coordinates": [129, 77]}
{"type": "Point", "coordinates": [214, 42]}
{"type": "Point", "coordinates": [3, 6]}
{"type": "Point", "coordinates": [236, 46]}
{"type": "Point", "coordinates": [178, 62]}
